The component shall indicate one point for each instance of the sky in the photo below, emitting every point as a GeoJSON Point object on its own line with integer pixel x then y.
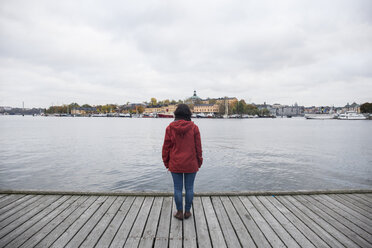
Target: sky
{"type": "Point", "coordinates": [97, 52]}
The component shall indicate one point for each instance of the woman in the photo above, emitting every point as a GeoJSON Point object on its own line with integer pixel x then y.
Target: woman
{"type": "Point", "coordinates": [182, 156]}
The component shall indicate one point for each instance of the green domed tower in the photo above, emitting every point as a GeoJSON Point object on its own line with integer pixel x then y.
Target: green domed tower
{"type": "Point", "coordinates": [195, 99]}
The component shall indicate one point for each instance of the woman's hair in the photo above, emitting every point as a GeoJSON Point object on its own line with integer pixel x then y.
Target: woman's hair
{"type": "Point", "coordinates": [182, 112]}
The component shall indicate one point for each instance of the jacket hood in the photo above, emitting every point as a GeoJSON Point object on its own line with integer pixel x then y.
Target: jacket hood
{"type": "Point", "coordinates": [181, 126]}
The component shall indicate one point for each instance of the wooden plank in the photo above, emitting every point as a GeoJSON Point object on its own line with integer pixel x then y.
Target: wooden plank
{"type": "Point", "coordinates": [162, 235]}
{"type": "Point", "coordinates": [42, 233]}
{"type": "Point", "coordinates": [25, 207]}
{"type": "Point", "coordinates": [201, 226]}
{"type": "Point", "coordinates": [33, 226]}
{"type": "Point", "coordinates": [357, 201]}
{"type": "Point", "coordinates": [96, 233]}
{"type": "Point", "coordinates": [228, 230]}
{"type": "Point", "coordinates": [189, 231]}
{"type": "Point", "coordinates": [54, 234]}
{"type": "Point", "coordinates": [311, 203]}
{"type": "Point", "coordinates": [94, 220]}
{"type": "Point", "coordinates": [240, 229]}
{"type": "Point", "coordinates": [271, 236]}
{"type": "Point", "coordinates": [345, 214]}
{"type": "Point", "coordinates": [357, 215]}
{"type": "Point", "coordinates": [10, 223]}
{"type": "Point", "coordinates": [2, 195]}
{"type": "Point", "coordinates": [353, 206]}
{"type": "Point", "coordinates": [176, 228]}
{"type": "Point", "coordinates": [285, 223]}
{"type": "Point", "coordinates": [340, 218]}
{"type": "Point", "coordinates": [366, 197]}
{"type": "Point", "coordinates": [327, 226]}
{"type": "Point", "coordinates": [19, 226]}
{"type": "Point", "coordinates": [315, 227]}
{"type": "Point", "coordinates": [71, 231]}
{"type": "Point", "coordinates": [148, 237]}
{"type": "Point", "coordinates": [139, 225]}
{"type": "Point", "coordinates": [6, 196]}
{"type": "Point", "coordinates": [297, 222]}
{"type": "Point", "coordinates": [255, 232]}
{"type": "Point", "coordinates": [275, 225]}
{"type": "Point", "coordinates": [126, 226]}
{"type": "Point", "coordinates": [110, 232]}
{"type": "Point", "coordinates": [361, 199]}
{"type": "Point", "coordinates": [15, 204]}
{"type": "Point", "coordinates": [10, 199]}
{"type": "Point", "coordinates": [214, 227]}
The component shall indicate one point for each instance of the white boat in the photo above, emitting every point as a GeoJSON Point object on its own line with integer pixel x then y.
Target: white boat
{"type": "Point", "coordinates": [201, 115]}
{"type": "Point", "coordinates": [125, 115]}
{"type": "Point", "coordinates": [320, 116]}
{"type": "Point", "coordinates": [99, 115]}
{"type": "Point", "coordinates": [351, 115]}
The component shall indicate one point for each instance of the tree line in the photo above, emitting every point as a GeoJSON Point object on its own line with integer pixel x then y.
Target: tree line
{"type": "Point", "coordinates": [241, 108]}
{"type": "Point", "coordinates": [66, 108]}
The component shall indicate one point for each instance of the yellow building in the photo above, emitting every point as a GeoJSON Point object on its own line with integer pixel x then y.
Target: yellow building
{"type": "Point", "coordinates": [149, 110]}
{"type": "Point", "coordinates": [161, 109]}
{"type": "Point", "coordinates": [206, 108]}
{"type": "Point", "coordinates": [82, 111]}
{"type": "Point", "coordinates": [169, 109]}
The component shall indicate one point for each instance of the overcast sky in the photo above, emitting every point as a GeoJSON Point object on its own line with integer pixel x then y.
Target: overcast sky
{"type": "Point", "coordinates": [97, 52]}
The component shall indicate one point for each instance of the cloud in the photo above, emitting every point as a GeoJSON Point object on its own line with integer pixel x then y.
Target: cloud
{"type": "Point", "coordinates": [125, 51]}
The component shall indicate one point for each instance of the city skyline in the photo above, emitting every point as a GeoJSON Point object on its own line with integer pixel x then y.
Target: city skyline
{"type": "Point", "coordinates": [316, 53]}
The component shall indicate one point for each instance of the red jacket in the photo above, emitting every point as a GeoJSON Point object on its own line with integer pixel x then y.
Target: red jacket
{"type": "Point", "coordinates": [182, 150]}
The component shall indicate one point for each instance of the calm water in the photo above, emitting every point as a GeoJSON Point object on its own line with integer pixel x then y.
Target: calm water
{"type": "Point", "coordinates": [118, 154]}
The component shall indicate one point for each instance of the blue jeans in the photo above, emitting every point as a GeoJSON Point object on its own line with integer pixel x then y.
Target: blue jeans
{"type": "Point", "coordinates": [189, 188]}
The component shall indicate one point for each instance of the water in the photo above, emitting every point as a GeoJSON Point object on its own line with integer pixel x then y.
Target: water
{"type": "Point", "coordinates": [120, 154]}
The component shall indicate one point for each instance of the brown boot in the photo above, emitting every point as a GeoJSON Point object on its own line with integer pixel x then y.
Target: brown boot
{"type": "Point", "coordinates": [187, 215]}
{"type": "Point", "coordinates": [179, 215]}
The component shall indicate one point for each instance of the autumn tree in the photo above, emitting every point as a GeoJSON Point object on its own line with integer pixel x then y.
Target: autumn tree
{"type": "Point", "coordinates": [140, 109]}
{"type": "Point", "coordinates": [366, 107]}
{"type": "Point", "coordinates": [153, 101]}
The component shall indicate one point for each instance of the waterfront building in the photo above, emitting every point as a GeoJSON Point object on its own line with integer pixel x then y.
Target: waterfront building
{"type": "Point", "coordinates": [206, 108]}
{"type": "Point", "coordinates": [269, 107]}
{"type": "Point", "coordinates": [169, 108]}
{"type": "Point", "coordinates": [285, 110]}
{"type": "Point", "coordinates": [153, 109]}
{"type": "Point", "coordinates": [351, 107]}
{"type": "Point", "coordinates": [160, 109]}
{"type": "Point", "coordinates": [83, 111]}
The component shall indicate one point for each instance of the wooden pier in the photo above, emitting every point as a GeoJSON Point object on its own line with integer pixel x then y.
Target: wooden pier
{"type": "Point", "coordinates": [282, 219]}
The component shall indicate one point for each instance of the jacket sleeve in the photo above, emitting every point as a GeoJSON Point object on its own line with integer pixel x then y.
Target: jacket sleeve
{"type": "Point", "coordinates": [166, 148]}
{"type": "Point", "coordinates": [198, 146]}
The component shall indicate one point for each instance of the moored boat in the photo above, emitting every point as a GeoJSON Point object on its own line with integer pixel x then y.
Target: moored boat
{"type": "Point", "coordinates": [150, 115]}
{"type": "Point", "coordinates": [163, 115]}
{"type": "Point", "coordinates": [99, 115]}
{"type": "Point", "coordinates": [351, 115]}
{"type": "Point", "coordinates": [125, 115]}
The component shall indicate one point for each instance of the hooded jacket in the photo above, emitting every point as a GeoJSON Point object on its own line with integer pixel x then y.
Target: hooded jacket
{"type": "Point", "coordinates": [182, 150]}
